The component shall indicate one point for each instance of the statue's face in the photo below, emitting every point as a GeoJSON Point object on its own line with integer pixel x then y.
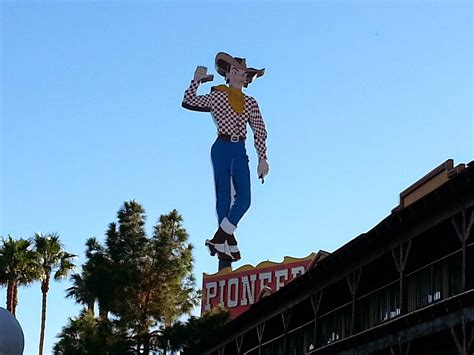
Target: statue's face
{"type": "Point", "coordinates": [236, 77]}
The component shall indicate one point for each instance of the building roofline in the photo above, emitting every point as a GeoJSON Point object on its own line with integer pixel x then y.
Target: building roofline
{"type": "Point", "coordinates": [456, 193]}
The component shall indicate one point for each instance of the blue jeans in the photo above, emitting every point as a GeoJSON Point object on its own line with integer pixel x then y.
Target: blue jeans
{"type": "Point", "coordinates": [231, 167]}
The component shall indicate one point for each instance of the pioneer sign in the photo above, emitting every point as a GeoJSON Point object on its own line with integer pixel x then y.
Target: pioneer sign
{"type": "Point", "coordinates": [238, 290]}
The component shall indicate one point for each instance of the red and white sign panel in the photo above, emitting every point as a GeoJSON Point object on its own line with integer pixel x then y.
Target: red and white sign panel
{"type": "Point", "coordinates": [238, 290]}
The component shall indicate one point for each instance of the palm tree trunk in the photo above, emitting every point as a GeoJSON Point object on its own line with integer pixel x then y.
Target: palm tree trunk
{"type": "Point", "coordinates": [15, 298]}
{"type": "Point", "coordinates": [90, 308]}
{"type": "Point", "coordinates": [146, 345]}
{"type": "Point", "coordinates": [103, 313]}
{"type": "Point", "coordinates": [9, 295]}
{"type": "Point", "coordinates": [44, 290]}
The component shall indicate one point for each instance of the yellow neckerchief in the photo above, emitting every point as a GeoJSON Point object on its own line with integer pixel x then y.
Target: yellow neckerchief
{"type": "Point", "coordinates": [236, 97]}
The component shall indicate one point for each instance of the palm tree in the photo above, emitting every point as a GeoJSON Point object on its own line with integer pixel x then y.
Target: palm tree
{"type": "Point", "coordinates": [51, 259]}
{"type": "Point", "coordinates": [76, 334]}
{"type": "Point", "coordinates": [86, 334]}
{"type": "Point", "coordinates": [18, 266]}
{"type": "Point", "coordinates": [100, 276]}
{"type": "Point", "coordinates": [81, 292]}
{"type": "Point", "coordinates": [96, 281]}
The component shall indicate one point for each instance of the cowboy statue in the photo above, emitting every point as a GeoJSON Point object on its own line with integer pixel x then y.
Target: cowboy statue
{"type": "Point", "coordinates": [231, 110]}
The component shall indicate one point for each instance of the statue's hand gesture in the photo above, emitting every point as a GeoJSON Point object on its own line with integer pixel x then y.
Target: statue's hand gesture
{"type": "Point", "coordinates": [200, 75]}
{"type": "Point", "coordinates": [262, 169]}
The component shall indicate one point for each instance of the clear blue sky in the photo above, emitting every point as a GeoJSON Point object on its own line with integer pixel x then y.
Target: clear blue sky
{"type": "Point", "coordinates": [360, 99]}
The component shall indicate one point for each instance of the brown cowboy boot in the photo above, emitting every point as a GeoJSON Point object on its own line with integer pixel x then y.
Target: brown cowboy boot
{"type": "Point", "coordinates": [222, 256]}
{"type": "Point", "coordinates": [218, 244]}
{"type": "Point", "coordinates": [234, 249]}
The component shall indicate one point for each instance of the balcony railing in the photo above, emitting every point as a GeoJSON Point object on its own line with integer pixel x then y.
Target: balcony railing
{"type": "Point", "coordinates": [336, 324]}
{"type": "Point", "coordinates": [430, 283]}
{"type": "Point", "coordinates": [436, 281]}
{"type": "Point", "coordinates": [378, 306]}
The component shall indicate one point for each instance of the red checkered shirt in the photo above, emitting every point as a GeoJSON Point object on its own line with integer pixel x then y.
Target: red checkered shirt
{"type": "Point", "coordinates": [225, 118]}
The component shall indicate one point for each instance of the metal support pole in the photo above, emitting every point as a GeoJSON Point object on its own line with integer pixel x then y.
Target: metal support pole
{"type": "Point", "coordinates": [463, 226]}
{"type": "Point", "coordinates": [465, 339]}
{"type": "Point", "coordinates": [238, 342]}
{"type": "Point", "coordinates": [285, 317]}
{"type": "Point", "coordinates": [315, 303]}
{"type": "Point", "coordinates": [260, 330]}
{"type": "Point", "coordinates": [353, 282]}
{"type": "Point", "coordinates": [400, 262]}
{"type": "Point", "coordinates": [223, 264]}
{"type": "Point", "coordinates": [401, 349]}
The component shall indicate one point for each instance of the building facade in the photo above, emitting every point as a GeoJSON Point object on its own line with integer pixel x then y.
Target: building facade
{"type": "Point", "coordinates": [404, 287]}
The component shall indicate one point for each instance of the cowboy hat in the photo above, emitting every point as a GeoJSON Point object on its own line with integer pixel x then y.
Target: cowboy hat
{"type": "Point", "coordinates": [224, 61]}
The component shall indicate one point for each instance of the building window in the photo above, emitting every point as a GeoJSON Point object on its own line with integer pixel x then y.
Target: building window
{"type": "Point", "coordinates": [336, 325]}
{"type": "Point", "coordinates": [379, 306]}
{"type": "Point", "coordinates": [434, 282]}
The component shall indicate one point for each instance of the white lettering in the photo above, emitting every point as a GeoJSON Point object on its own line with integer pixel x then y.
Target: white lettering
{"type": "Point", "coordinates": [221, 292]}
{"type": "Point", "coordinates": [248, 290]}
{"type": "Point", "coordinates": [233, 301]}
{"type": "Point", "coordinates": [278, 275]}
{"type": "Point", "coordinates": [297, 271]}
{"type": "Point", "coordinates": [243, 290]}
{"type": "Point", "coordinates": [211, 292]}
{"type": "Point", "coordinates": [264, 276]}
